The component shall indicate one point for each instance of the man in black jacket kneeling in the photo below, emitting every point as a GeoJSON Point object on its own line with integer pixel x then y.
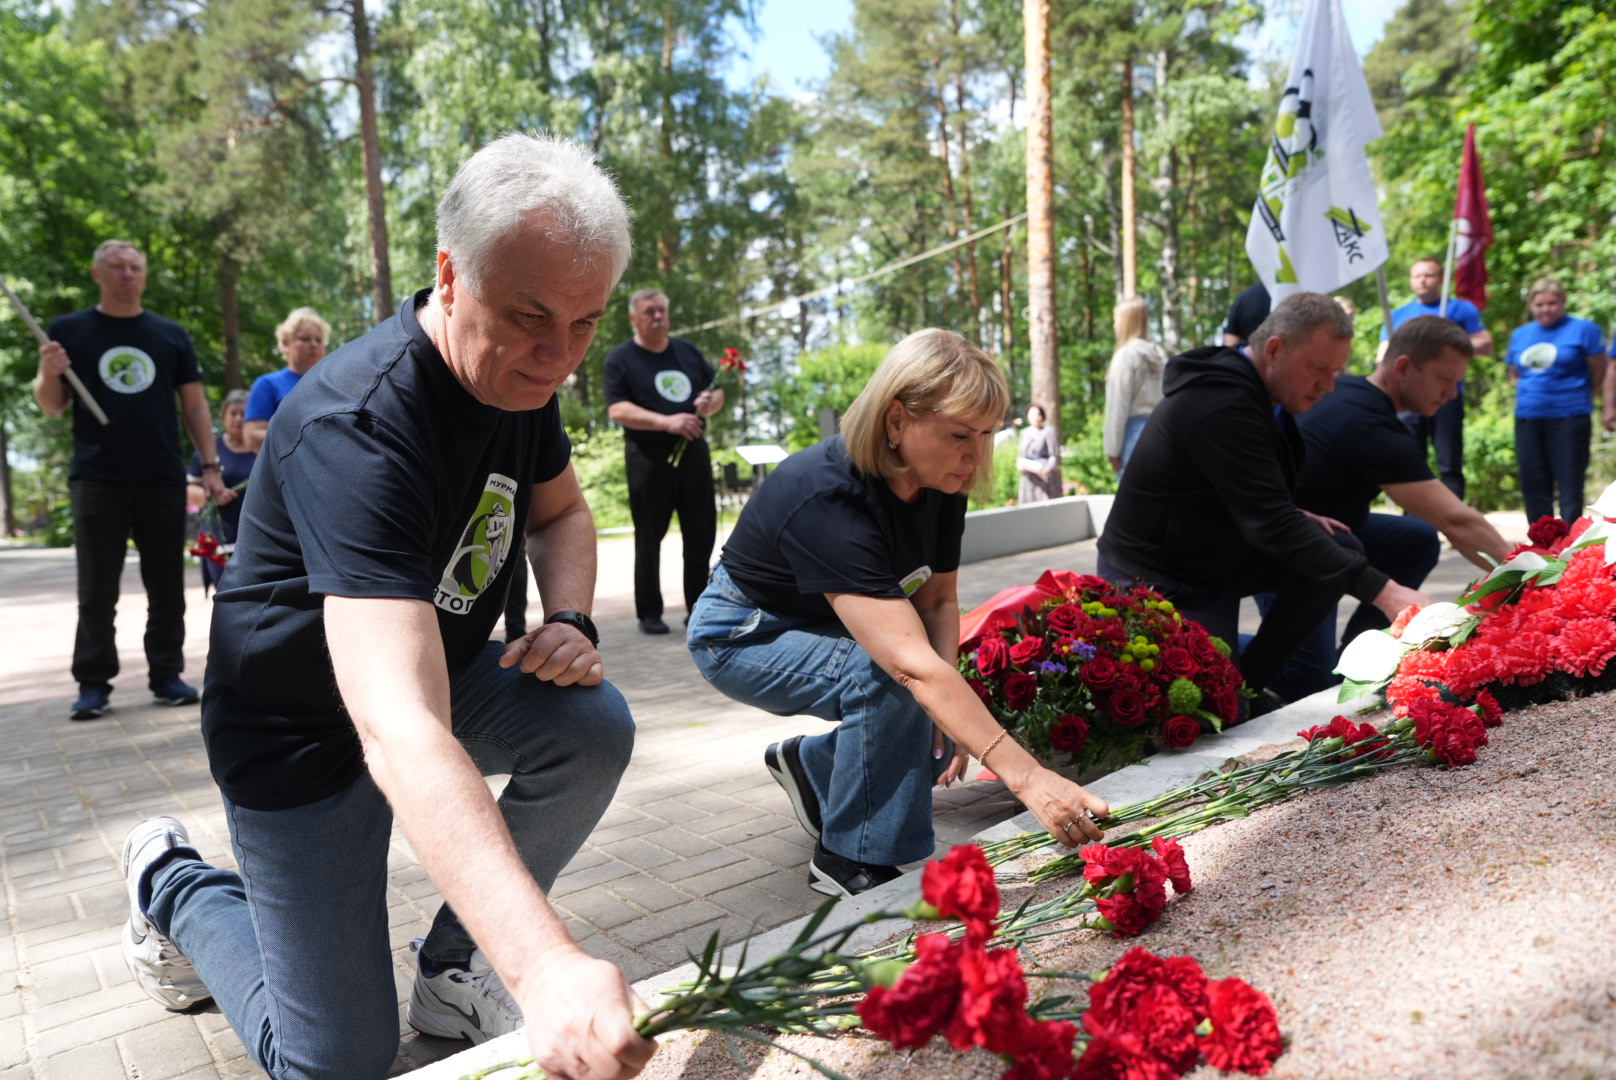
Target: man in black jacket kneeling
{"type": "Point", "coordinates": [1206, 513]}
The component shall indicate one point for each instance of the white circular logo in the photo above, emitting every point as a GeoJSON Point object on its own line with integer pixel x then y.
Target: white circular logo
{"type": "Point", "coordinates": [127, 369]}
{"type": "Point", "coordinates": [672, 385]}
{"type": "Point", "coordinates": [1539, 357]}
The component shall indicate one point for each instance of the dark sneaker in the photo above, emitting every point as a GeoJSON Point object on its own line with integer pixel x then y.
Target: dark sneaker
{"type": "Point", "coordinates": [461, 1003]}
{"type": "Point", "coordinates": [653, 625]}
{"type": "Point", "coordinates": [93, 701]}
{"type": "Point", "coordinates": [785, 765]}
{"type": "Point", "coordinates": [174, 691]}
{"type": "Point", "coordinates": [833, 875]}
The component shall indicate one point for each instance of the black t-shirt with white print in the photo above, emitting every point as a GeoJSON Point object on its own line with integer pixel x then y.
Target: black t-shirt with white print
{"type": "Point", "coordinates": [666, 382]}
{"type": "Point", "coordinates": [380, 478]}
{"type": "Point", "coordinates": [818, 526]}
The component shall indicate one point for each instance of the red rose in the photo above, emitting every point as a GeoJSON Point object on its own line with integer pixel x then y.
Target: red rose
{"type": "Point", "coordinates": [1064, 618]}
{"type": "Point", "coordinates": [917, 1007]}
{"type": "Point", "coordinates": [1226, 703]}
{"type": "Point", "coordinates": [1201, 647]}
{"type": "Point", "coordinates": [1245, 1029]}
{"type": "Point", "coordinates": [1546, 530]}
{"type": "Point", "coordinates": [992, 656]}
{"type": "Point", "coordinates": [1172, 859]}
{"type": "Point", "coordinates": [1127, 707]}
{"type": "Point", "coordinates": [1068, 734]}
{"type": "Point", "coordinates": [1043, 1051]}
{"type": "Point", "coordinates": [1020, 690]}
{"type": "Point", "coordinates": [1114, 1053]}
{"type": "Point", "coordinates": [960, 886]}
{"type": "Point", "coordinates": [1176, 662]}
{"type": "Point", "coordinates": [1092, 583]}
{"type": "Point", "coordinates": [992, 1004]}
{"type": "Point", "coordinates": [1179, 732]}
{"type": "Point", "coordinates": [1027, 651]}
{"type": "Point", "coordinates": [980, 691]}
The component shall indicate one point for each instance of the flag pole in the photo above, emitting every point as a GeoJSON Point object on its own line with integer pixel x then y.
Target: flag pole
{"type": "Point", "coordinates": [1447, 265]}
{"type": "Point", "coordinates": [1385, 297]}
{"type": "Point", "coordinates": [78, 387]}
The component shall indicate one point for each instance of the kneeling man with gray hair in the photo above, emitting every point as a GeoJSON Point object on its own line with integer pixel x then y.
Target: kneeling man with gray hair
{"type": "Point", "coordinates": [351, 677]}
{"type": "Point", "coordinates": [1206, 513]}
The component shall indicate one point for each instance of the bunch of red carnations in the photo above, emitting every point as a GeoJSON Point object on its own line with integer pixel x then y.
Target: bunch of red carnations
{"type": "Point", "coordinates": [1102, 674]}
{"type": "Point", "coordinates": [207, 547]}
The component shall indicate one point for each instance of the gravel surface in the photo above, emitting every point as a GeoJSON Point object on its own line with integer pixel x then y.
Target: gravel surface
{"type": "Point", "coordinates": [1424, 923]}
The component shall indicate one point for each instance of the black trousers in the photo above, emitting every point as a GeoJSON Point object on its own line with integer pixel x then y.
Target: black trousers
{"type": "Point", "coordinates": [1444, 428]}
{"type": "Point", "coordinates": [656, 491]}
{"type": "Point", "coordinates": [1299, 604]}
{"type": "Point", "coordinates": [105, 516]}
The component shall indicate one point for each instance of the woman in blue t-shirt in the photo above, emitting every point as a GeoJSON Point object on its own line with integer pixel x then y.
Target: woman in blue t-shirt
{"type": "Point", "coordinates": [836, 597]}
{"type": "Point", "coordinates": [1558, 365]}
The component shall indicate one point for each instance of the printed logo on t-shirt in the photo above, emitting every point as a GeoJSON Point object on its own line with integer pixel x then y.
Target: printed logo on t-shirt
{"type": "Point", "coordinates": [672, 385]}
{"type": "Point", "coordinates": [484, 544]}
{"type": "Point", "coordinates": [127, 369]}
{"type": "Point", "coordinates": [1539, 357]}
{"type": "Point", "coordinates": [911, 584]}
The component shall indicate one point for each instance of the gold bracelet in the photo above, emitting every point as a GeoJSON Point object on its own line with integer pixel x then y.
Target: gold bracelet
{"type": "Point", "coordinates": [983, 756]}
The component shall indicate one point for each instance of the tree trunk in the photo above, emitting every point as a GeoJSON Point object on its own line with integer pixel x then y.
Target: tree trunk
{"type": "Point", "coordinates": [950, 205]}
{"type": "Point", "coordinates": [381, 272]}
{"type": "Point", "coordinates": [1130, 225]}
{"type": "Point", "coordinates": [668, 233]}
{"type": "Point", "coordinates": [230, 319]}
{"type": "Point", "coordinates": [1041, 218]}
{"type": "Point", "coordinates": [1113, 226]}
{"type": "Point", "coordinates": [967, 208]}
{"type": "Point", "coordinates": [1007, 288]}
{"type": "Point", "coordinates": [8, 504]}
{"type": "Point", "coordinates": [1167, 189]}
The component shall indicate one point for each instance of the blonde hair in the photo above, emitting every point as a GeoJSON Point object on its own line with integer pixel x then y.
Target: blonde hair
{"type": "Point", "coordinates": [935, 371]}
{"type": "Point", "coordinates": [1129, 320]}
{"type": "Point", "coordinates": [303, 315]}
{"type": "Point", "coordinates": [1546, 285]}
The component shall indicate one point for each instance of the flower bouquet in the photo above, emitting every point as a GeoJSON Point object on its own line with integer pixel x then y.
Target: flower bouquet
{"type": "Point", "coordinates": [210, 543]}
{"type": "Point", "coordinates": [1087, 670]}
{"type": "Point", "coordinates": [1541, 626]}
{"type": "Point", "coordinates": [731, 371]}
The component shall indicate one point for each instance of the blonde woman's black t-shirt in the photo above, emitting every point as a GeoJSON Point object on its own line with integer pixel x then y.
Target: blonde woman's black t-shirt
{"type": "Point", "coordinates": [380, 478]}
{"type": "Point", "coordinates": [818, 525]}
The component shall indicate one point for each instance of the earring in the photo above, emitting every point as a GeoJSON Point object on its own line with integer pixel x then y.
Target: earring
{"type": "Point", "coordinates": [891, 445]}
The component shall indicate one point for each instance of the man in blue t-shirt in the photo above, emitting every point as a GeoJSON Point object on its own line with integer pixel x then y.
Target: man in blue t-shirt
{"type": "Point", "coordinates": [127, 478]}
{"type": "Point", "coordinates": [1446, 427]}
{"type": "Point", "coordinates": [351, 680]}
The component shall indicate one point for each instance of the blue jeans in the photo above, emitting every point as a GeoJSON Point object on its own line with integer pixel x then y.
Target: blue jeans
{"type": "Point", "coordinates": [295, 947]}
{"type": "Point", "coordinates": [1553, 454]}
{"type": "Point", "coordinates": [874, 771]}
{"type": "Point", "coordinates": [1404, 547]}
{"type": "Point", "coordinates": [1131, 430]}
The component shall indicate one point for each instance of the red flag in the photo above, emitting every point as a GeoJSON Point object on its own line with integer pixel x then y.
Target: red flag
{"type": "Point", "coordinates": [1474, 227]}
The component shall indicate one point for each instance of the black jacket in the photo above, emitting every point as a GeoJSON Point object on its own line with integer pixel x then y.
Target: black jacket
{"type": "Point", "coordinates": [1212, 481]}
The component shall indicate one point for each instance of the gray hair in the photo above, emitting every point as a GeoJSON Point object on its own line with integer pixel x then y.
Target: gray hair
{"type": "Point", "coordinates": [106, 246]}
{"type": "Point", "coordinates": [519, 175]}
{"type": "Point", "coordinates": [642, 294]}
{"type": "Point", "coordinates": [1298, 315]}
{"type": "Point", "coordinates": [234, 397]}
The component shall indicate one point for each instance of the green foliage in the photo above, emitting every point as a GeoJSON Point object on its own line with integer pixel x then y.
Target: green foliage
{"type": "Point", "coordinates": [1491, 479]}
{"type": "Point", "coordinates": [828, 378]}
{"type": "Point", "coordinates": [597, 458]}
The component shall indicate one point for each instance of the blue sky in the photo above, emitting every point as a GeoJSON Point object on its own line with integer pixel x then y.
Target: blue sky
{"type": "Point", "coordinates": [786, 48]}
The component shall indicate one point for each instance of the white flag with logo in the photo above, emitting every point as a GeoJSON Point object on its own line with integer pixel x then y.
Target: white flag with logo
{"type": "Point", "coordinates": [1316, 225]}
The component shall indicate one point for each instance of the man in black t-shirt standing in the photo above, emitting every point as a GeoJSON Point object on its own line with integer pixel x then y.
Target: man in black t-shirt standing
{"type": "Point", "coordinates": [657, 388]}
{"type": "Point", "coordinates": [351, 680]}
{"type": "Point", "coordinates": [127, 477]}
{"type": "Point", "coordinates": [1359, 448]}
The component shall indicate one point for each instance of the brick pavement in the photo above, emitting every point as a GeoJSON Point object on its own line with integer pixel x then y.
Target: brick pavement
{"type": "Point", "coordinates": [698, 839]}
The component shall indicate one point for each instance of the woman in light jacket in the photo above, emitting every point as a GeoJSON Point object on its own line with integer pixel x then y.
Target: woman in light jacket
{"type": "Point", "coordinates": [1133, 384]}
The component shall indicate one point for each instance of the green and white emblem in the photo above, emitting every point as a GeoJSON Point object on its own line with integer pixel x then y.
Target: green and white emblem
{"type": "Point", "coordinates": [484, 544]}
{"type": "Point", "coordinates": [1539, 357]}
{"type": "Point", "coordinates": [911, 584]}
{"type": "Point", "coordinates": [672, 385]}
{"type": "Point", "coordinates": [126, 369]}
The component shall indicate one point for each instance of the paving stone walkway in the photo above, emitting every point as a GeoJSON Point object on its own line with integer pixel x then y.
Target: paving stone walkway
{"type": "Point", "coordinates": [698, 839]}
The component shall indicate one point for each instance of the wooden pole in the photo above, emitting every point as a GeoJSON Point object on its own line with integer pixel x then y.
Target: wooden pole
{"type": "Point", "coordinates": [72, 379]}
{"type": "Point", "coordinates": [1041, 218]}
{"type": "Point", "coordinates": [1130, 222]}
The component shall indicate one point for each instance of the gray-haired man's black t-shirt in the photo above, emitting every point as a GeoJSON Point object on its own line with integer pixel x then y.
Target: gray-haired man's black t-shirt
{"type": "Point", "coordinates": [382, 477]}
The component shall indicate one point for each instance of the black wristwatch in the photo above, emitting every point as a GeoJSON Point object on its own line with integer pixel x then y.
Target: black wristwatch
{"type": "Point", "coordinates": [579, 621]}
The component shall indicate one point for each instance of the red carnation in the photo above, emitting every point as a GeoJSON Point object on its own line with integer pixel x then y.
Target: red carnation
{"type": "Point", "coordinates": [992, 657]}
{"type": "Point", "coordinates": [1245, 1029]}
{"type": "Point", "coordinates": [1068, 734]}
{"type": "Point", "coordinates": [908, 1014]}
{"type": "Point", "coordinates": [1130, 887]}
{"type": "Point", "coordinates": [1176, 663]}
{"type": "Point", "coordinates": [1020, 690]}
{"type": "Point", "coordinates": [1546, 530]}
{"type": "Point", "coordinates": [1179, 732]}
{"type": "Point", "coordinates": [1043, 1051]}
{"type": "Point", "coordinates": [1167, 849]}
{"type": "Point", "coordinates": [992, 1004]}
{"type": "Point", "coordinates": [1117, 1054]}
{"type": "Point", "coordinates": [960, 886]}
{"type": "Point", "coordinates": [1127, 706]}
{"type": "Point", "coordinates": [1135, 972]}
{"type": "Point", "coordinates": [1451, 733]}
{"type": "Point", "coordinates": [1491, 713]}
{"type": "Point", "coordinates": [1158, 1016]}
{"type": "Point", "coordinates": [1065, 618]}
{"type": "Point", "coordinates": [1027, 651]}
{"type": "Point", "coordinates": [1184, 975]}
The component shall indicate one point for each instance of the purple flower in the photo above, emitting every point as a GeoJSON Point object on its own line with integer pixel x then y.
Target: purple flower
{"type": "Point", "coordinates": [1050, 667]}
{"type": "Point", "coordinates": [1082, 650]}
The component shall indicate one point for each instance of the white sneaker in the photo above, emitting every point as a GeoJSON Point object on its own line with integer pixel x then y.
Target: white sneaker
{"type": "Point", "coordinates": [160, 969]}
{"type": "Point", "coordinates": [461, 1003]}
